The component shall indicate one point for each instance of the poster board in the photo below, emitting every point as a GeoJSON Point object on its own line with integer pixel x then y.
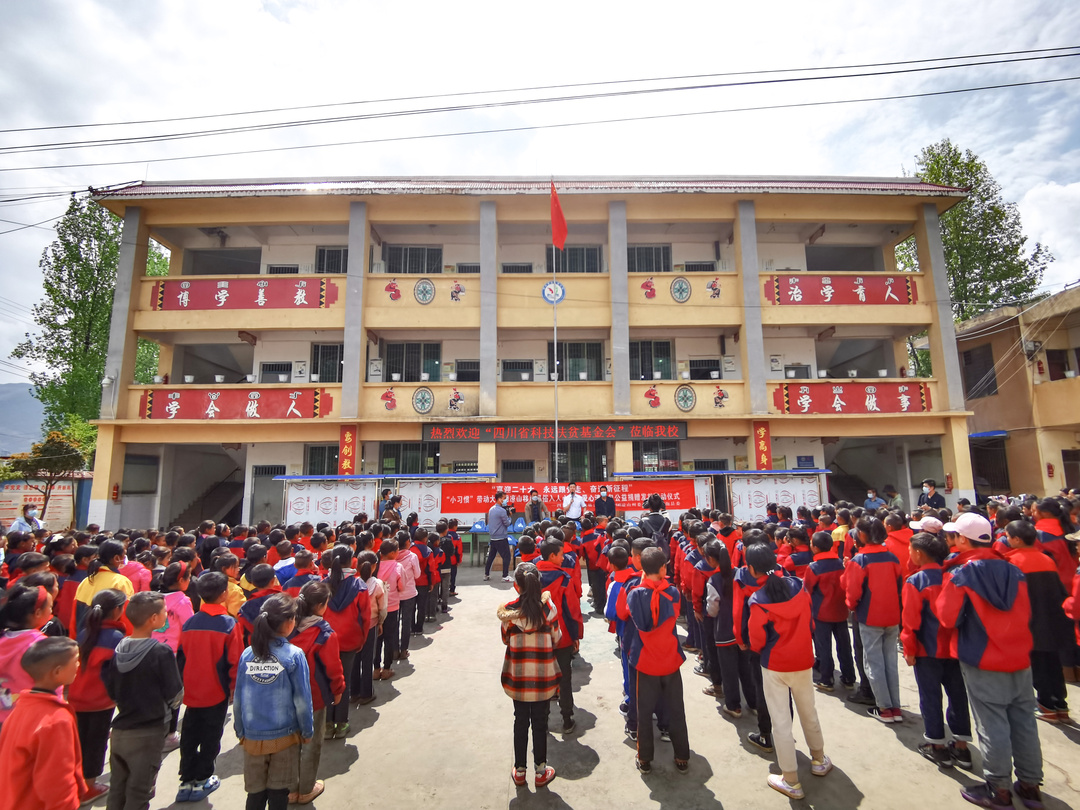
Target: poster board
{"type": "Point", "coordinates": [61, 512]}
{"type": "Point", "coordinates": [329, 501]}
{"type": "Point", "coordinates": [748, 493]}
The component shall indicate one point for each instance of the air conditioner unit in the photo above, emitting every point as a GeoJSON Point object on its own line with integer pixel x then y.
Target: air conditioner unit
{"type": "Point", "coordinates": [378, 267]}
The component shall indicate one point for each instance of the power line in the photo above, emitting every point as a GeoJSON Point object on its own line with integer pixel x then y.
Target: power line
{"type": "Point", "coordinates": [536, 88]}
{"type": "Point", "coordinates": [32, 225]}
{"type": "Point", "coordinates": [142, 139]}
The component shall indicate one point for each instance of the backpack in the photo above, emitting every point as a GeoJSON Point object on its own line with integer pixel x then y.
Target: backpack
{"type": "Point", "coordinates": [659, 536]}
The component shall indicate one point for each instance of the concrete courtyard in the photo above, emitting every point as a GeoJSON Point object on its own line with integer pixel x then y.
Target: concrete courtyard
{"type": "Point", "coordinates": [439, 735]}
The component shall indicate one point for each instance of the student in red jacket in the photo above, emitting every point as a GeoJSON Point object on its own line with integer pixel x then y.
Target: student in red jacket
{"type": "Point", "coordinates": [822, 583]}
{"type": "Point", "coordinates": [656, 656]}
{"type": "Point", "coordinates": [780, 632]}
{"type": "Point", "coordinates": [459, 553]}
{"type": "Point", "coordinates": [207, 657]}
{"type": "Point", "coordinates": [590, 547]}
{"type": "Point", "coordinates": [265, 583]}
{"type": "Point", "coordinates": [527, 549]}
{"type": "Point", "coordinates": [898, 540]}
{"type": "Point", "coordinates": [872, 583]}
{"type": "Point", "coordinates": [420, 548]}
{"type": "Point", "coordinates": [928, 648]}
{"type": "Point", "coordinates": [1052, 524]}
{"type": "Point", "coordinates": [556, 580]}
{"type": "Point", "coordinates": [799, 554]}
{"type": "Point", "coordinates": [39, 743]}
{"type": "Point", "coordinates": [349, 613]}
{"type": "Point", "coordinates": [317, 639]}
{"type": "Point", "coordinates": [306, 571]}
{"type": "Point", "coordinates": [985, 598]}
{"type": "Point", "coordinates": [65, 602]}
{"type": "Point", "coordinates": [92, 705]}
{"type": "Point", "coordinates": [744, 586]}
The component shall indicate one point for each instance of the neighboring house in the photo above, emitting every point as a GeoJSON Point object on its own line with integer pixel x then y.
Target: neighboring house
{"type": "Point", "coordinates": [1019, 367]}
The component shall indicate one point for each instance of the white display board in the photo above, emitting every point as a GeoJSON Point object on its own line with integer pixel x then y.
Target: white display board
{"type": "Point", "coordinates": [703, 494]}
{"type": "Point", "coordinates": [329, 501]}
{"type": "Point", "coordinates": [749, 493]}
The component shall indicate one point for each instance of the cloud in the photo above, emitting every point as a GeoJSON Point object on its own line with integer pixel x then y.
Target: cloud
{"type": "Point", "coordinates": [1050, 213]}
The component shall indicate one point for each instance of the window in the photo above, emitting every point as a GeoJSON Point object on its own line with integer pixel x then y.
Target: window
{"type": "Point", "coordinates": [466, 466]}
{"type": "Point", "coordinates": [326, 361]}
{"type": "Point", "coordinates": [409, 458]}
{"type": "Point", "coordinates": [282, 269]}
{"type": "Point", "coordinates": [468, 267]}
{"type": "Point", "coordinates": [269, 372]}
{"type": "Point", "coordinates": [1070, 466]}
{"type": "Point", "coordinates": [978, 367]}
{"type": "Point", "coordinates": [648, 258]}
{"type": "Point", "coordinates": [410, 360]}
{"type": "Point", "coordinates": [140, 475]}
{"type": "Point", "coordinates": [797, 372]}
{"type": "Point", "coordinates": [576, 359]}
{"type": "Point", "coordinates": [656, 456]}
{"type": "Point", "coordinates": [517, 267]}
{"type": "Point", "coordinates": [990, 465]}
{"type": "Point", "coordinates": [332, 260]}
{"type": "Point", "coordinates": [574, 259]}
{"type": "Point", "coordinates": [700, 267]}
{"type": "Point", "coordinates": [222, 262]}
{"type": "Point", "coordinates": [467, 370]}
{"type": "Point", "coordinates": [416, 259]}
{"type": "Point", "coordinates": [1057, 363]}
{"type": "Point", "coordinates": [703, 369]}
{"type": "Point", "coordinates": [649, 358]}
{"type": "Point", "coordinates": [518, 472]}
{"type": "Point", "coordinates": [267, 470]}
{"type": "Point", "coordinates": [321, 459]}
{"type": "Point", "coordinates": [513, 369]}
{"type": "Point", "coordinates": [579, 461]}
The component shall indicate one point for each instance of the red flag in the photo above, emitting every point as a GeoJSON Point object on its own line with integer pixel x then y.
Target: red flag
{"type": "Point", "coordinates": [558, 221]}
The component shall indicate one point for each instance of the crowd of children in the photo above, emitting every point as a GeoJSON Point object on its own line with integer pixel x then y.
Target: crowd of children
{"type": "Point", "coordinates": [290, 624]}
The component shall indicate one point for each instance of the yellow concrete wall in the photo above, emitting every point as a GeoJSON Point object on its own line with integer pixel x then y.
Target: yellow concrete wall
{"type": "Point", "coordinates": [704, 409]}
{"type": "Point", "coordinates": [577, 401]}
{"type": "Point", "coordinates": [1057, 403]}
{"type": "Point", "coordinates": [373, 407]}
{"type": "Point", "coordinates": [586, 303]}
{"type": "Point", "coordinates": [1011, 406]}
{"type": "Point", "coordinates": [381, 312]}
{"type": "Point", "coordinates": [700, 310]}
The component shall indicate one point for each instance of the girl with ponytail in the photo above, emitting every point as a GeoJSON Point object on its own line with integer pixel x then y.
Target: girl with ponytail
{"type": "Point", "coordinates": [92, 704]}
{"type": "Point", "coordinates": [363, 690]}
{"type": "Point", "coordinates": [272, 706]}
{"type": "Point", "coordinates": [349, 613]}
{"type": "Point", "coordinates": [24, 611]}
{"type": "Point", "coordinates": [530, 675]}
{"type": "Point", "coordinates": [780, 633]}
{"type": "Point", "coordinates": [102, 574]}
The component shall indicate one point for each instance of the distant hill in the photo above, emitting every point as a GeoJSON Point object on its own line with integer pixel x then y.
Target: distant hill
{"type": "Point", "coordinates": [20, 418]}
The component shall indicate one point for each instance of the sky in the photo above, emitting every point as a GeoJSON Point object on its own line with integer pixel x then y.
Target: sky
{"type": "Point", "coordinates": [78, 62]}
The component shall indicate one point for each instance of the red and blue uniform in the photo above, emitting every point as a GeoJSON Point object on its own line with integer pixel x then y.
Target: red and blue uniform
{"type": "Point", "coordinates": [872, 583]}
{"type": "Point", "coordinates": [781, 631]}
{"type": "Point", "coordinates": [208, 644]}
{"type": "Point", "coordinates": [87, 693]}
{"type": "Point", "coordinates": [922, 634]}
{"type": "Point", "coordinates": [1053, 542]}
{"type": "Point", "coordinates": [302, 578]}
{"type": "Point", "coordinates": [653, 608]}
{"type": "Point", "coordinates": [320, 645]}
{"type": "Point", "coordinates": [349, 613]}
{"type": "Point", "coordinates": [559, 583]}
{"type": "Point", "coordinates": [797, 561]}
{"type": "Point", "coordinates": [822, 582]}
{"type": "Point", "coordinates": [249, 612]}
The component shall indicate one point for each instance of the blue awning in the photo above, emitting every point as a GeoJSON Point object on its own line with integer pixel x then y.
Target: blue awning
{"type": "Point", "coordinates": [989, 434]}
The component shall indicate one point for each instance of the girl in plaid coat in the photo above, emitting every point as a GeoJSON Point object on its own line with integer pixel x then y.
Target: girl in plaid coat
{"type": "Point", "coordinates": [530, 675]}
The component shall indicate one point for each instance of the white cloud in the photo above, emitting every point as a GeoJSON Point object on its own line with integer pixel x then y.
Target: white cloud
{"type": "Point", "coordinates": [1050, 213]}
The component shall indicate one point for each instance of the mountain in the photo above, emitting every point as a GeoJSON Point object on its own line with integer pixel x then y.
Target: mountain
{"type": "Point", "coordinates": [20, 418]}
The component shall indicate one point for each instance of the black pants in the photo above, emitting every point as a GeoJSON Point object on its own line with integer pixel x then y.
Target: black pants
{"type": "Point", "coordinates": [651, 690]}
{"type": "Point", "coordinates": [268, 800]}
{"type": "Point", "coordinates": [502, 548]}
{"type": "Point", "coordinates": [764, 719]}
{"type": "Point", "coordinates": [200, 741]}
{"type": "Point", "coordinates": [735, 671]}
{"type": "Point", "coordinates": [339, 712]}
{"type": "Point", "coordinates": [364, 667]}
{"type": "Point", "coordinates": [406, 617]}
{"type": "Point", "coordinates": [386, 646]}
{"type": "Point", "coordinates": [423, 592]}
{"type": "Point", "coordinates": [1049, 680]}
{"type": "Point", "coordinates": [563, 656]}
{"type": "Point", "coordinates": [660, 709]}
{"type": "Point", "coordinates": [93, 739]}
{"type": "Point", "coordinates": [598, 583]}
{"type": "Point", "coordinates": [530, 714]}
{"type": "Point", "coordinates": [708, 649]}
{"type": "Point", "coordinates": [931, 675]}
{"type": "Point", "coordinates": [824, 633]}
{"type": "Point", "coordinates": [453, 578]}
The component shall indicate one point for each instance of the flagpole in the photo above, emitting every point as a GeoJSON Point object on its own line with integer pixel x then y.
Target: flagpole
{"type": "Point", "coordinates": [555, 357]}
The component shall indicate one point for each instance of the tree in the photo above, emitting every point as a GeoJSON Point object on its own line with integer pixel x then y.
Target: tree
{"type": "Point", "coordinates": [73, 315]}
{"type": "Point", "coordinates": [57, 458]}
{"type": "Point", "coordinates": [986, 254]}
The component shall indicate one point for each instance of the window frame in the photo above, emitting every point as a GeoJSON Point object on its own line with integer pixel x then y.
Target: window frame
{"type": "Point", "coordinates": [566, 347]}
{"type": "Point", "coordinates": [318, 363]}
{"type": "Point", "coordinates": [430, 360]}
{"type": "Point", "coordinates": [663, 448]}
{"type": "Point", "coordinates": [979, 376]}
{"type": "Point", "coordinates": [322, 255]}
{"type": "Point", "coordinates": [635, 254]}
{"type": "Point", "coordinates": [652, 359]}
{"type": "Point", "coordinates": [328, 460]}
{"type": "Point", "coordinates": [429, 263]}
{"type": "Point", "coordinates": [560, 260]}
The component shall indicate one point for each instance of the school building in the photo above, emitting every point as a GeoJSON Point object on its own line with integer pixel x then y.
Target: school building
{"type": "Point", "coordinates": [394, 326]}
{"type": "Point", "coordinates": [1020, 367]}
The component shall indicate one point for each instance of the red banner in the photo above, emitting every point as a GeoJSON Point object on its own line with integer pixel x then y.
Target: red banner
{"type": "Point", "coordinates": [235, 403]}
{"type": "Point", "coordinates": [628, 495]}
{"type": "Point", "coordinates": [257, 292]}
{"type": "Point", "coordinates": [762, 446]}
{"type": "Point", "coordinates": [837, 397]}
{"type": "Point", "coordinates": [841, 288]}
{"type": "Point", "coordinates": [347, 451]}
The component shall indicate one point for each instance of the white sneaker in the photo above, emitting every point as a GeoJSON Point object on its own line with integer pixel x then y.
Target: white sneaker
{"type": "Point", "coordinates": [777, 782]}
{"type": "Point", "coordinates": [508, 579]}
{"type": "Point", "coordinates": [820, 767]}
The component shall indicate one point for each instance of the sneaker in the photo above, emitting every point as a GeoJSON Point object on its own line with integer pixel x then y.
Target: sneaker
{"type": "Point", "coordinates": [938, 754]}
{"type": "Point", "coordinates": [624, 708]}
{"type": "Point", "coordinates": [1029, 795]}
{"type": "Point", "coordinates": [486, 577]}
{"type": "Point", "coordinates": [568, 726]}
{"type": "Point", "coordinates": [182, 795]}
{"type": "Point", "coordinates": [544, 774]}
{"type": "Point", "coordinates": [1045, 714]}
{"type": "Point", "coordinates": [520, 776]}
{"type": "Point", "coordinates": [897, 716]}
{"type": "Point", "coordinates": [736, 713]}
{"type": "Point", "coordinates": [760, 741]}
{"type": "Point", "coordinates": [985, 795]}
{"type": "Point", "coordinates": [777, 782]}
{"type": "Point", "coordinates": [820, 767]}
{"type": "Point", "coordinates": [713, 691]}
{"type": "Point", "coordinates": [316, 791]}
{"type": "Point", "coordinates": [340, 731]}
{"type": "Point", "coordinates": [961, 756]}
{"type": "Point", "coordinates": [862, 698]}
{"type": "Point", "coordinates": [1063, 717]}
{"type": "Point", "coordinates": [821, 686]}
{"type": "Point", "coordinates": [849, 685]}
{"type": "Point", "coordinates": [631, 733]}
{"type": "Point", "coordinates": [96, 790]}
{"type": "Point", "coordinates": [644, 767]}
{"type": "Point", "coordinates": [884, 715]}
{"type": "Point", "coordinates": [203, 789]}
{"type": "Point", "coordinates": [172, 742]}
{"type": "Point", "coordinates": [363, 701]}
{"type": "Point", "coordinates": [682, 766]}
{"type": "Point", "coordinates": [665, 735]}
{"type": "Point", "coordinates": [704, 673]}
{"type": "Point", "coordinates": [508, 579]}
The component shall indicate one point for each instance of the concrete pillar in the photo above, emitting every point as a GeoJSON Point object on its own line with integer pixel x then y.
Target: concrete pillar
{"type": "Point", "coordinates": [165, 360]}
{"type": "Point", "coordinates": [624, 457]}
{"type": "Point", "coordinates": [353, 369]}
{"type": "Point", "coordinates": [489, 310]}
{"type": "Point", "coordinates": [956, 459]}
{"type": "Point", "coordinates": [485, 459]}
{"type": "Point", "coordinates": [620, 310]}
{"type": "Point", "coordinates": [108, 472]}
{"type": "Point", "coordinates": [942, 332]}
{"type": "Point", "coordinates": [751, 341]}
{"type": "Point", "coordinates": [120, 359]}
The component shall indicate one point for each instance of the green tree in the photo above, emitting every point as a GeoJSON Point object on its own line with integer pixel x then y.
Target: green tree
{"type": "Point", "coordinates": [56, 458]}
{"type": "Point", "coordinates": [74, 312]}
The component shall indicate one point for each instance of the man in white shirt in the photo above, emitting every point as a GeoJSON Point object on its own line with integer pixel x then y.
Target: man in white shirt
{"type": "Point", "coordinates": [572, 503]}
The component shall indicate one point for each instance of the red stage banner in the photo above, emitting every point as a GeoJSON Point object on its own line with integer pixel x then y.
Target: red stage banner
{"type": "Point", "coordinates": [837, 397]}
{"type": "Point", "coordinates": [841, 288]}
{"type": "Point", "coordinates": [678, 493]}
{"type": "Point", "coordinates": [235, 403]}
{"type": "Point", "coordinates": [762, 446]}
{"type": "Point", "coordinates": [257, 292]}
{"type": "Point", "coordinates": [347, 464]}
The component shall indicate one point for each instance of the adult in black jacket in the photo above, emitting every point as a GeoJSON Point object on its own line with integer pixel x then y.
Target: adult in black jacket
{"type": "Point", "coordinates": [655, 525]}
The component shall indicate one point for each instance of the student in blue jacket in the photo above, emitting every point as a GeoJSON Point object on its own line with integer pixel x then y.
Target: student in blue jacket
{"type": "Point", "coordinates": [272, 711]}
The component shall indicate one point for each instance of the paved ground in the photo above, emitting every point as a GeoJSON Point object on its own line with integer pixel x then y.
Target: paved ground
{"type": "Point", "coordinates": [439, 735]}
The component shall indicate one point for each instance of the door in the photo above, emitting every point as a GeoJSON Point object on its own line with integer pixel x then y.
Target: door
{"type": "Point", "coordinates": [267, 495]}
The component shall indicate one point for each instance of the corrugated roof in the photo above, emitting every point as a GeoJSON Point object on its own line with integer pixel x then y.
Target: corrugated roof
{"type": "Point", "coordinates": [469, 186]}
